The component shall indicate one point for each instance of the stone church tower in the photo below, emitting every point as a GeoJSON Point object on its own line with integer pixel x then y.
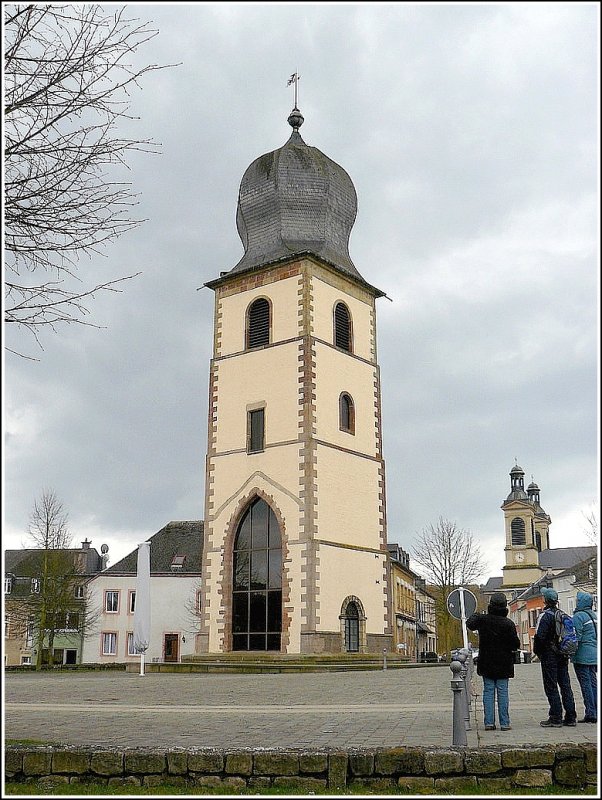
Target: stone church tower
{"type": "Point", "coordinates": [527, 532]}
{"type": "Point", "coordinates": [295, 541]}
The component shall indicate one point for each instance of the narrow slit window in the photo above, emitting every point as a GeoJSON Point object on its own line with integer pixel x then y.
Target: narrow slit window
{"type": "Point", "coordinates": [258, 323]}
{"type": "Point", "coordinates": [255, 430]}
{"type": "Point", "coordinates": [346, 413]}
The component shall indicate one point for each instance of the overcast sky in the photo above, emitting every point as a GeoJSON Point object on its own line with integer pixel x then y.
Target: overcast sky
{"type": "Point", "coordinates": [471, 135]}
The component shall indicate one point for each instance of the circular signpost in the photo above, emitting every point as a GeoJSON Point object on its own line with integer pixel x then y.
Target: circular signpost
{"type": "Point", "coordinates": [454, 603]}
{"type": "Point", "coordinates": [461, 603]}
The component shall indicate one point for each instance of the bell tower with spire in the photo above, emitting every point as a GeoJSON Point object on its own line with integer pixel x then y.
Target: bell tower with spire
{"type": "Point", "coordinates": [527, 532]}
{"type": "Point", "coordinates": [295, 543]}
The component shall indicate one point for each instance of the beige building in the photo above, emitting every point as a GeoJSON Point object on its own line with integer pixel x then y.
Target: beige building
{"type": "Point", "coordinates": [403, 602]}
{"type": "Point", "coordinates": [528, 555]}
{"type": "Point", "coordinates": [295, 546]}
{"type": "Point", "coordinates": [527, 532]}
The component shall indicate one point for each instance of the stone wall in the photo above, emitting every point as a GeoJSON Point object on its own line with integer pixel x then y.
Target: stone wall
{"type": "Point", "coordinates": [416, 770]}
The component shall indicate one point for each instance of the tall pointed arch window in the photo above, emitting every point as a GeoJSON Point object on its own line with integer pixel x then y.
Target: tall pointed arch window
{"type": "Point", "coordinates": [517, 529]}
{"type": "Point", "coordinates": [346, 413]}
{"type": "Point", "coordinates": [342, 327]}
{"type": "Point", "coordinates": [258, 323]}
{"type": "Point", "coordinates": [257, 580]}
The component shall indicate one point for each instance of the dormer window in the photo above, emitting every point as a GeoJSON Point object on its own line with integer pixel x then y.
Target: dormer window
{"type": "Point", "coordinates": [35, 586]}
{"type": "Point", "coordinates": [8, 585]}
{"type": "Point", "coordinates": [177, 563]}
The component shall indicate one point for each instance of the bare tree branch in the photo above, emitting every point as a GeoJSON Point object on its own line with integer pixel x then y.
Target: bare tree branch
{"type": "Point", "coordinates": [450, 558]}
{"type": "Point", "coordinates": [68, 83]}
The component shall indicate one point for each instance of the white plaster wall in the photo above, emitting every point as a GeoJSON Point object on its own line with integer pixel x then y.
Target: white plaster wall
{"type": "Point", "coordinates": [325, 297]}
{"type": "Point", "coordinates": [344, 572]}
{"type": "Point", "coordinates": [273, 470]}
{"type": "Point", "coordinates": [170, 597]}
{"type": "Point", "coordinates": [337, 372]}
{"type": "Point", "coordinates": [269, 376]}
{"type": "Point", "coordinates": [284, 298]}
{"type": "Point", "coordinates": [348, 509]}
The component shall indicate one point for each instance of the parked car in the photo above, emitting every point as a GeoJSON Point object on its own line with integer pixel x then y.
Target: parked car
{"type": "Point", "coordinates": [522, 657]}
{"type": "Point", "coordinates": [428, 657]}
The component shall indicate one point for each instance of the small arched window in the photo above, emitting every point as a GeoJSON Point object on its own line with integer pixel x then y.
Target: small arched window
{"type": "Point", "coordinates": [346, 413]}
{"type": "Point", "coordinates": [258, 323]}
{"type": "Point", "coordinates": [342, 327]}
{"type": "Point", "coordinates": [517, 528]}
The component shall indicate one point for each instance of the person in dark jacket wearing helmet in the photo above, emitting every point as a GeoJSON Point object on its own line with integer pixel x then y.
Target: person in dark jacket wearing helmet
{"type": "Point", "coordinates": [554, 666]}
{"type": "Point", "coordinates": [498, 641]}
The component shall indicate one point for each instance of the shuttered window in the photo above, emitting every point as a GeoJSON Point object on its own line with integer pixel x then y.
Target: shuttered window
{"type": "Point", "coordinates": [517, 528]}
{"type": "Point", "coordinates": [258, 323]}
{"type": "Point", "coordinates": [342, 327]}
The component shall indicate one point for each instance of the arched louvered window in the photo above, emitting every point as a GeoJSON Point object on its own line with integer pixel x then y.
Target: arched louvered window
{"type": "Point", "coordinates": [346, 413]}
{"type": "Point", "coordinates": [538, 541]}
{"type": "Point", "coordinates": [517, 528]}
{"type": "Point", "coordinates": [258, 323]}
{"type": "Point", "coordinates": [257, 580]}
{"type": "Point", "coordinates": [342, 327]}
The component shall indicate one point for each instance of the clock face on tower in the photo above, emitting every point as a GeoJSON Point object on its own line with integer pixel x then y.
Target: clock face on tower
{"type": "Point", "coordinates": [519, 557]}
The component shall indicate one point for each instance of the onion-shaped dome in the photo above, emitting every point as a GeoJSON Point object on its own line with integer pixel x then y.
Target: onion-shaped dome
{"type": "Point", "coordinates": [296, 200]}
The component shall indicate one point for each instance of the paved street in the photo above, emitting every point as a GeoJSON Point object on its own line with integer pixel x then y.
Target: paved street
{"type": "Point", "coordinates": [346, 709]}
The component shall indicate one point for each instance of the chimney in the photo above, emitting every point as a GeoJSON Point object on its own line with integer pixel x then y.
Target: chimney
{"type": "Point", "coordinates": [86, 544]}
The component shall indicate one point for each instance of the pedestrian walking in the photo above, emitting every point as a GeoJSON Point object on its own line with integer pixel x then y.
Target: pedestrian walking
{"type": "Point", "coordinates": [497, 642]}
{"type": "Point", "coordinates": [585, 660]}
{"type": "Point", "coordinates": [554, 666]}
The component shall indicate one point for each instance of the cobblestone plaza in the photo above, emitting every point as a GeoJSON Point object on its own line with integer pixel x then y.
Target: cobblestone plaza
{"type": "Point", "coordinates": [383, 708]}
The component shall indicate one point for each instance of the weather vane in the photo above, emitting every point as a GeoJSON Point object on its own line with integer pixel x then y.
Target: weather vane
{"type": "Point", "coordinates": [295, 77]}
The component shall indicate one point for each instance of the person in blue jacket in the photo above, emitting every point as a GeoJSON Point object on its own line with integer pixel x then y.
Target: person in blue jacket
{"type": "Point", "coordinates": [585, 660]}
{"type": "Point", "coordinates": [554, 666]}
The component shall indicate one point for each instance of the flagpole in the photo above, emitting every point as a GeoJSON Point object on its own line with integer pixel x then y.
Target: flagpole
{"type": "Point", "coordinates": [296, 84]}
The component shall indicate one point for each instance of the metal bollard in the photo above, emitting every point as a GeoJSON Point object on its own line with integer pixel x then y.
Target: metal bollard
{"type": "Point", "coordinates": [458, 727]}
{"type": "Point", "coordinates": [461, 658]}
{"type": "Point", "coordinates": [468, 678]}
{"type": "Point", "coordinates": [384, 658]}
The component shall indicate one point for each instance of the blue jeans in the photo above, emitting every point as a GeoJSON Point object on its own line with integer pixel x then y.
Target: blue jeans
{"type": "Point", "coordinates": [555, 674]}
{"type": "Point", "coordinates": [491, 687]}
{"type": "Point", "coordinates": [587, 675]}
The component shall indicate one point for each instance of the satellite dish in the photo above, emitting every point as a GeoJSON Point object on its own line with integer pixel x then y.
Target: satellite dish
{"type": "Point", "coordinates": [104, 548]}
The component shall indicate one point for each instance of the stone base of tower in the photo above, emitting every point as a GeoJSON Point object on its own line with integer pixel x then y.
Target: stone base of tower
{"type": "Point", "coordinates": [318, 643]}
{"type": "Point", "coordinates": [322, 642]}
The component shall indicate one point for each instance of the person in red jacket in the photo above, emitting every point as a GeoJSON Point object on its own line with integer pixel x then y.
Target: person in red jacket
{"type": "Point", "coordinates": [498, 641]}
